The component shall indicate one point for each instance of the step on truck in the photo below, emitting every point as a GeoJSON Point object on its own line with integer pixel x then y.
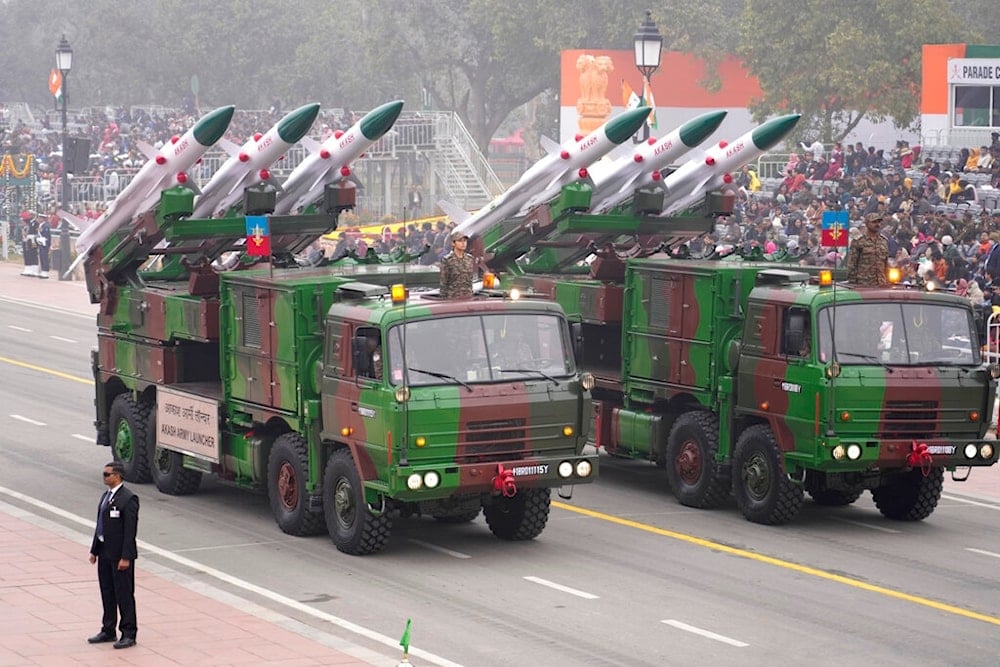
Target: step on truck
{"type": "Point", "coordinates": [350, 392]}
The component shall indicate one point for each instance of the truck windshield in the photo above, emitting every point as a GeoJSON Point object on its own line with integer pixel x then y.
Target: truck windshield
{"type": "Point", "coordinates": [898, 334]}
{"type": "Point", "coordinates": [474, 349]}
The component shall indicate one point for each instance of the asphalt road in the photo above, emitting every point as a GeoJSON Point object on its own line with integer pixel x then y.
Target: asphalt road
{"type": "Point", "coordinates": [622, 575]}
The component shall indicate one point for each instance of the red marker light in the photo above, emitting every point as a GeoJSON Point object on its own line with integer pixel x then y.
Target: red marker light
{"type": "Point", "coordinates": [182, 178]}
{"type": "Point", "coordinates": [728, 178]}
{"type": "Point", "coordinates": [651, 141]}
{"type": "Point", "coordinates": [174, 139]}
{"type": "Point", "coordinates": [160, 159]}
{"type": "Point", "coordinates": [338, 134]}
{"type": "Point", "coordinates": [583, 173]}
{"type": "Point", "coordinates": [723, 143]}
{"type": "Point", "coordinates": [710, 160]}
{"type": "Point", "coordinates": [637, 157]}
{"type": "Point", "coordinates": [564, 154]}
{"type": "Point", "coordinates": [324, 154]}
{"type": "Point", "coordinates": [345, 171]}
{"type": "Point", "coordinates": [656, 175]}
{"type": "Point", "coordinates": [257, 136]}
{"type": "Point", "coordinates": [244, 157]}
{"type": "Point", "coordinates": [577, 137]}
{"type": "Point", "coordinates": [264, 174]}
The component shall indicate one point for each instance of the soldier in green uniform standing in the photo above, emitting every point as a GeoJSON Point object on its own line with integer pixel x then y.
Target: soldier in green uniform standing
{"type": "Point", "coordinates": [868, 256]}
{"type": "Point", "coordinates": [458, 269]}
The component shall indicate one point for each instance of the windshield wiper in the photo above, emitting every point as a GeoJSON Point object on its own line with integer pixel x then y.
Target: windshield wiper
{"type": "Point", "coordinates": [867, 357]}
{"type": "Point", "coordinates": [530, 370]}
{"type": "Point", "coordinates": [442, 376]}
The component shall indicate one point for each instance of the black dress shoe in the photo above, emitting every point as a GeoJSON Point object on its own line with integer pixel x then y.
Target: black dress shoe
{"type": "Point", "coordinates": [101, 637]}
{"type": "Point", "coordinates": [125, 642]}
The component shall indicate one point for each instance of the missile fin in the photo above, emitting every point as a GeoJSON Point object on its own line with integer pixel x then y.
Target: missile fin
{"type": "Point", "coordinates": [147, 150]}
{"type": "Point", "coordinates": [239, 183]}
{"type": "Point", "coordinates": [454, 211]}
{"type": "Point", "coordinates": [550, 146]}
{"type": "Point", "coordinates": [311, 145]}
{"type": "Point", "coordinates": [231, 149]}
{"type": "Point", "coordinates": [80, 223]}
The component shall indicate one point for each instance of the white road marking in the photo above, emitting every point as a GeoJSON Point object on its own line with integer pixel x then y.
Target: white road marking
{"type": "Point", "coordinates": [85, 438]}
{"type": "Point", "coordinates": [27, 420]}
{"type": "Point", "coordinates": [705, 633]}
{"type": "Point", "coordinates": [275, 597]}
{"type": "Point", "coordinates": [226, 546]}
{"type": "Point", "coordinates": [985, 553]}
{"type": "Point", "coordinates": [55, 309]}
{"type": "Point", "coordinates": [16, 328]}
{"type": "Point", "coordinates": [866, 525]}
{"type": "Point", "coordinates": [993, 506]}
{"type": "Point", "coordinates": [64, 340]}
{"type": "Point", "coordinates": [440, 550]}
{"type": "Point", "coordinates": [565, 589]}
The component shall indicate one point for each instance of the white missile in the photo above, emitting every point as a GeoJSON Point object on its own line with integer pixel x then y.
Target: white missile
{"type": "Point", "coordinates": [165, 169]}
{"type": "Point", "coordinates": [329, 163]}
{"type": "Point", "coordinates": [543, 180]}
{"type": "Point", "coordinates": [616, 184]}
{"type": "Point", "coordinates": [688, 185]}
{"type": "Point", "coordinates": [248, 165]}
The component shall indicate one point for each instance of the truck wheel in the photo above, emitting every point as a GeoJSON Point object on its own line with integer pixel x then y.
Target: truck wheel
{"type": "Point", "coordinates": [910, 496]}
{"type": "Point", "coordinates": [131, 426]}
{"type": "Point", "coordinates": [763, 491]}
{"type": "Point", "coordinates": [352, 526]}
{"type": "Point", "coordinates": [287, 473]}
{"type": "Point", "coordinates": [170, 475]}
{"type": "Point", "coordinates": [691, 448]}
{"type": "Point", "coordinates": [821, 495]}
{"type": "Point", "coordinates": [522, 517]}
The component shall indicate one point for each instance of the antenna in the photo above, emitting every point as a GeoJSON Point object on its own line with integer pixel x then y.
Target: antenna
{"type": "Point", "coordinates": [403, 457]}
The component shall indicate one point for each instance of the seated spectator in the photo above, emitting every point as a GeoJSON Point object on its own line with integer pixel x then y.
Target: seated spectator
{"type": "Point", "coordinates": [985, 162]}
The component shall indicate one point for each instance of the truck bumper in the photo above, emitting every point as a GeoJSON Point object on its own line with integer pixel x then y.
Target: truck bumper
{"type": "Point", "coordinates": [490, 478]}
{"type": "Point", "coordinates": [889, 454]}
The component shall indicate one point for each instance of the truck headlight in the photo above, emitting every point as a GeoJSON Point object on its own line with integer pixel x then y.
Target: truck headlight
{"type": "Point", "coordinates": [587, 381]}
{"type": "Point", "coordinates": [986, 451]}
{"type": "Point", "coordinates": [431, 479]}
{"type": "Point", "coordinates": [565, 469]}
{"type": "Point", "coordinates": [854, 451]}
{"type": "Point", "coordinates": [970, 451]}
{"type": "Point", "coordinates": [583, 468]}
{"type": "Point", "coordinates": [838, 452]}
{"type": "Point", "coordinates": [414, 482]}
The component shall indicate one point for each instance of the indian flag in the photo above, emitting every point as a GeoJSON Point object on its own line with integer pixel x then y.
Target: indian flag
{"type": "Point", "coordinates": [629, 99]}
{"type": "Point", "coordinates": [55, 84]}
{"type": "Point", "coordinates": [647, 95]}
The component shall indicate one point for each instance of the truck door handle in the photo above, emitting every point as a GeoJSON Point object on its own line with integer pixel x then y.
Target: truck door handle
{"type": "Point", "coordinates": [354, 407]}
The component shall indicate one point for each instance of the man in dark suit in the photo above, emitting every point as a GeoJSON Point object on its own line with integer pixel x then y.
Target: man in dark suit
{"type": "Point", "coordinates": [114, 550]}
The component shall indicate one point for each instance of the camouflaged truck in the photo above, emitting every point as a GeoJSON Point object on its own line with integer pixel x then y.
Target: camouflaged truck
{"type": "Point", "coordinates": [750, 378]}
{"type": "Point", "coordinates": [348, 402]}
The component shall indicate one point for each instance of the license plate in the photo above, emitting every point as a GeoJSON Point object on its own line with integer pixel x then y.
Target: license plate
{"type": "Point", "coordinates": [941, 449]}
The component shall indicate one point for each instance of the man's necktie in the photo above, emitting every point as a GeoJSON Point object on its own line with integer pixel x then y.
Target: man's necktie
{"type": "Point", "coordinates": [100, 514]}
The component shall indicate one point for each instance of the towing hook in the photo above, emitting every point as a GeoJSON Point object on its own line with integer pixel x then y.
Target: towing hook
{"type": "Point", "coordinates": [920, 457]}
{"type": "Point", "coordinates": [503, 482]}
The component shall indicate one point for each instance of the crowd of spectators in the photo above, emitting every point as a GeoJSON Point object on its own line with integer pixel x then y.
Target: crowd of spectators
{"type": "Point", "coordinates": [940, 216]}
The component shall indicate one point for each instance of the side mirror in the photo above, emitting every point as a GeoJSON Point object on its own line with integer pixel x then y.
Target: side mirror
{"type": "Point", "coordinates": [576, 332]}
{"type": "Point", "coordinates": [733, 355]}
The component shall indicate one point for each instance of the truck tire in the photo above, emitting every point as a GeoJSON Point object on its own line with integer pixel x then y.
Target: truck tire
{"type": "Point", "coordinates": [691, 448]}
{"type": "Point", "coordinates": [521, 517]}
{"type": "Point", "coordinates": [762, 489]}
{"type": "Point", "coordinates": [821, 495]}
{"type": "Point", "coordinates": [170, 475]}
{"type": "Point", "coordinates": [131, 426]}
{"type": "Point", "coordinates": [287, 473]}
{"type": "Point", "coordinates": [910, 496]}
{"type": "Point", "coordinates": [352, 526]}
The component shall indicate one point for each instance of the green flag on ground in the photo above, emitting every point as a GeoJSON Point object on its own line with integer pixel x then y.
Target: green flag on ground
{"type": "Point", "coordinates": [404, 641]}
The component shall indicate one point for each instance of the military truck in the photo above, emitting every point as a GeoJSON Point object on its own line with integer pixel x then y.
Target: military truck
{"type": "Point", "coordinates": [756, 378]}
{"type": "Point", "coordinates": [349, 392]}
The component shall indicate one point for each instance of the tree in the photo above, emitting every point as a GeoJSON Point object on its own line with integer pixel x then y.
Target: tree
{"type": "Point", "coordinates": [839, 62]}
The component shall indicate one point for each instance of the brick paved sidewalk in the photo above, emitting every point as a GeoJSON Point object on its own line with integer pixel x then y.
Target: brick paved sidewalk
{"type": "Point", "coordinates": [50, 604]}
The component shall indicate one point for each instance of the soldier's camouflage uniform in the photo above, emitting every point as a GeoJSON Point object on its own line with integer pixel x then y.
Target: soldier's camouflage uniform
{"type": "Point", "coordinates": [457, 274]}
{"type": "Point", "coordinates": [867, 261]}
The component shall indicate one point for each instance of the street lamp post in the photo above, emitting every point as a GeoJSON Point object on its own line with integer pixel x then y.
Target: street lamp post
{"type": "Point", "coordinates": [648, 43]}
{"type": "Point", "coordinates": [64, 62]}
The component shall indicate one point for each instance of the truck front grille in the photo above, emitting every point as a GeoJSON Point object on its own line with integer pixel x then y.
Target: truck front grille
{"type": "Point", "coordinates": [498, 438]}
